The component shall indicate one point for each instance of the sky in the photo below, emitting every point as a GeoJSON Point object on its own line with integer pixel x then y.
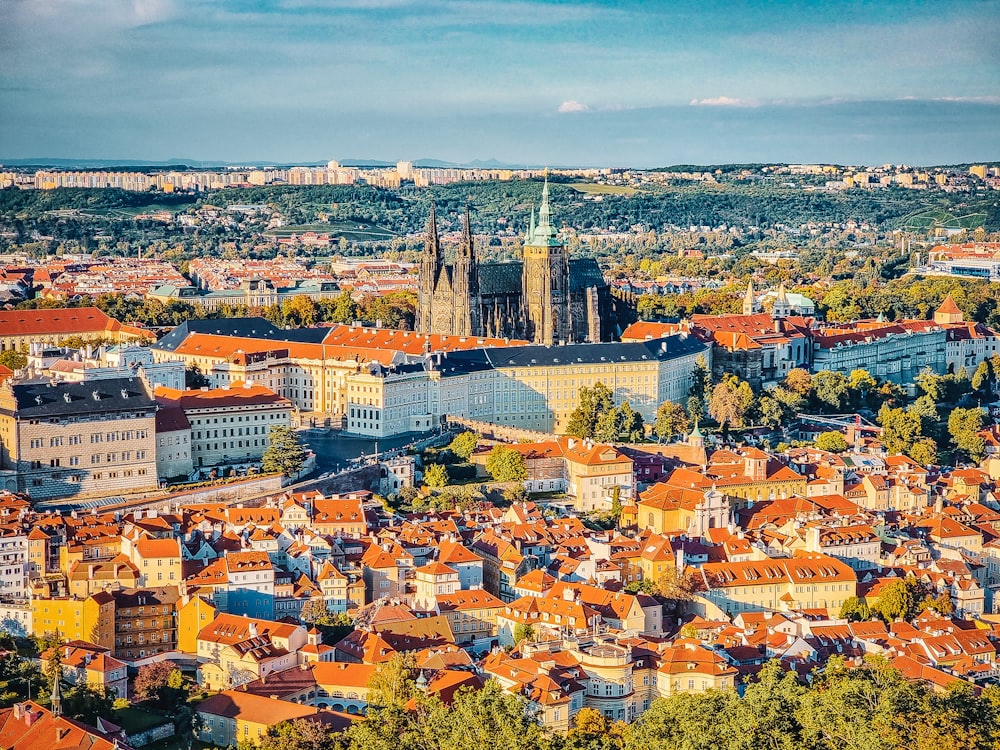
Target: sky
{"type": "Point", "coordinates": [638, 83]}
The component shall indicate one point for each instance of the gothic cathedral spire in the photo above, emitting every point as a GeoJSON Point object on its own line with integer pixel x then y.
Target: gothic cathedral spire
{"type": "Point", "coordinates": [431, 264]}
{"type": "Point", "coordinates": [465, 282]}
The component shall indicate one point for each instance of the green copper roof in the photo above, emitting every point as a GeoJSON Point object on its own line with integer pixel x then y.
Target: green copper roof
{"type": "Point", "coordinates": [543, 235]}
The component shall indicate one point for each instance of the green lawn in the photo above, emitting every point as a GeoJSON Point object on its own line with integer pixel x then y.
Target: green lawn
{"type": "Point", "coordinates": [134, 719]}
{"type": "Point", "coordinates": [936, 218]}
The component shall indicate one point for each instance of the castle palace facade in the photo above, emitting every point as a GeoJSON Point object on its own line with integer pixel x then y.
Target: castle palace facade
{"type": "Point", "coordinates": [546, 298]}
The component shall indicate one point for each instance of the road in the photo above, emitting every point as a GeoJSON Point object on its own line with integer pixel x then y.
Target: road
{"type": "Point", "coordinates": [334, 450]}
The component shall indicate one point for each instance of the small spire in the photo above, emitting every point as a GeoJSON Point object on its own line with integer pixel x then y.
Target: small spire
{"type": "Point", "coordinates": [56, 701]}
{"type": "Point", "coordinates": [748, 300]}
{"type": "Point", "coordinates": [544, 211]}
{"type": "Point", "coordinates": [531, 225]}
{"type": "Point", "coordinates": [782, 296]}
{"type": "Point", "coordinates": [466, 246]}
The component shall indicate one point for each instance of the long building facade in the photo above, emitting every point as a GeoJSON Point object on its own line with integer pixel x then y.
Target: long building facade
{"type": "Point", "coordinates": [546, 298]}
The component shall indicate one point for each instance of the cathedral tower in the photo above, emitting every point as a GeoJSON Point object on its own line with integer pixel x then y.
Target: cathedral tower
{"type": "Point", "coordinates": [545, 280]}
{"type": "Point", "coordinates": [431, 264]}
{"type": "Point", "coordinates": [465, 282]}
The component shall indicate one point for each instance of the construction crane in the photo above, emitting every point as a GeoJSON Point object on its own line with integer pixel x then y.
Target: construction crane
{"type": "Point", "coordinates": [853, 424]}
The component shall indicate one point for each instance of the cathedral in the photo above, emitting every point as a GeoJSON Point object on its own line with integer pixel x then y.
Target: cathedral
{"type": "Point", "coordinates": [546, 298]}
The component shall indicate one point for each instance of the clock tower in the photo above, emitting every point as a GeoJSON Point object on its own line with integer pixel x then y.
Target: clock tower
{"type": "Point", "coordinates": [545, 280]}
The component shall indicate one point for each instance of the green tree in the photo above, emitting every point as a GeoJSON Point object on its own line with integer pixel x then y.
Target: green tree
{"type": "Point", "coordinates": [671, 420]}
{"type": "Point", "coordinates": [855, 609]}
{"type": "Point", "coordinates": [505, 464]}
{"type": "Point", "coordinates": [435, 475]}
{"type": "Point", "coordinates": [830, 389]}
{"type": "Point", "coordinates": [924, 452]}
{"type": "Point", "coordinates": [523, 631]}
{"type": "Point", "coordinates": [392, 683]}
{"type": "Point", "coordinates": [931, 384]}
{"type": "Point", "coordinates": [773, 413]}
{"type": "Point", "coordinates": [896, 600]}
{"type": "Point", "coordinates": [299, 735]}
{"type": "Point", "coordinates": [832, 441]}
{"type": "Point", "coordinates": [731, 401]}
{"type": "Point", "coordinates": [964, 426]}
{"type": "Point", "coordinates": [464, 445]}
{"type": "Point", "coordinates": [900, 429]}
{"type": "Point", "coordinates": [594, 402]}
{"type": "Point", "coordinates": [981, 377]}
{"type": "Point", "coordinates": [487, 718]}
{"type": "Point", "coordinates": [630, 424]}
{"type": "Point", "coordinates": [86, 702]}
{"type": "Point", "coordinates": [13, 359]}
{"type": "Point", "coordinates": [284, 454]}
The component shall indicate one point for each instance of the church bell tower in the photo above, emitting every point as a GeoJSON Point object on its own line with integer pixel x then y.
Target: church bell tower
{"type": "Point", "coordinates": [545, 280]}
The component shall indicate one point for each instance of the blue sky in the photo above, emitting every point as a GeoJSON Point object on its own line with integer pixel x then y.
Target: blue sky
{"type": "Point", "coordinates": [575, 82]}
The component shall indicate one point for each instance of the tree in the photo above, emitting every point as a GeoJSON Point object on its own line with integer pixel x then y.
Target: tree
{"type": "Point", "coordinates": [925, 408]}
{"type": "Point", "coordinates": [931, 384]}
{"type": "Point", "coordinates": [284, 454]}
{"type": "Point", "coordinates": [896, 600]}
{"type": "Point", "coordinates": [981, 377]}
{"type": "Point", "coordinates": [435, 475]}
{"type": "Point", "coordinates": [20, 678]}
{"type": "Point", "coordinates": [855, 609]}
{"type": "Point", "coordinates": [592, 731]}
{"type": "Point", "coordinates": [86, 703]}
{"type": "Point", "coordinates": [594, 402]}
{"type": "Point", "coordinates": [900, 429]}
{"type": "Point", "coordinates": [13, 359]}
{"type": "Point", "coordinates": [392, 683]}
{"type": "Point", "coordinates": [523, 631]}
{"type": "Point", "coordinates": [487, 718]}
{"type": "Point", "coordinates": [157, 682]}
{"type": "Point", "coordinates": [300, 310]}
{"type": "Point", "coordinates": [464, 445]}
{"type": "Point", "coordinates": [799, 381]}
{"type": "Point", "coordinates": [314, 611]}
{"type": "Point", "coordinates": [924, 452]}
{"type": "Point", "coordinates": [773, 413]}
{"type": "Point", "coordinates": [832, 441]}
{"type": "Point", "coordinates": [830, 390]}
{"type": "Point", "coordinates": [731, 401]}
{"type": "Point", "coordinates": [194, 379]}
{"type": "Point", "coordinates": [505, 464]}
{"type": "Point", "coordinates": [300, 734]}
{"type": "Point", "coordinates": [671, 420]}
{"type": "Point", "coordinates": [964, 426]}
{"type": "Point", "coordinates": [630, 424]}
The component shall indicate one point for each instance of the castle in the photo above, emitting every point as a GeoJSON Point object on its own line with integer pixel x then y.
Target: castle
{"type": "Point", "coordinates": [546, 298]}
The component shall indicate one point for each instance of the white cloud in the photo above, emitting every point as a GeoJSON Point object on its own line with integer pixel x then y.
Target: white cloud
{"type": "Point", "coordinates": [571, 105]}
{"type": "Point", "coordinates": [725, 101]}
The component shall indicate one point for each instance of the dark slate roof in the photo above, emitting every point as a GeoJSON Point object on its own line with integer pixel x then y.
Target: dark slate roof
{"type": "Point", "coordinates": [45, 400]}
{"type": "Point", "coordinates": [663, 349]}
{"type": "Point", "coordinates": [254, 328]}
{"type": "Point", "coordinates": [500, 278]}
{"type": "Point", "coordinates": [505, 278]}
{"type": "Point", "coordinates": [584, 273]}
{"type": "Point", "coordinates": [461, 362]}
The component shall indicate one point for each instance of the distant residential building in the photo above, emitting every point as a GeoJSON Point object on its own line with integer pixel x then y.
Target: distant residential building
{"type": "Point", "coordinates": [78, 439]}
